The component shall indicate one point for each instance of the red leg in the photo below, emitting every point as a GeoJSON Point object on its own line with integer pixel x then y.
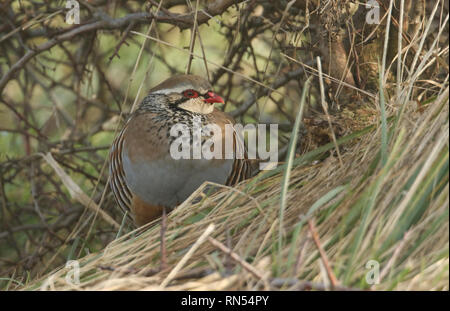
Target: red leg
{"type": "Point", "coordinates": [163, 240]}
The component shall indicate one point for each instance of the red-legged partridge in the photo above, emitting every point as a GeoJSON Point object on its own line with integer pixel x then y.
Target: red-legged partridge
{"type": "Point", "coordinates": [145, 178]}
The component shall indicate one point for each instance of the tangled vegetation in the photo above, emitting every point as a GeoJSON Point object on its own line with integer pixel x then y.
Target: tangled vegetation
{"type": "Point", "coordinates": [362, 185]}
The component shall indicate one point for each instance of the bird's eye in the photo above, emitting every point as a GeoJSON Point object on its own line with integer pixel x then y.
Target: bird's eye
{"type": "Point", "coordinates": [190, 94]}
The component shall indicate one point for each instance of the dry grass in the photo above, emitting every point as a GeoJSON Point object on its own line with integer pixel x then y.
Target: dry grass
{"type": "Point", "coordinates": [396, 214]}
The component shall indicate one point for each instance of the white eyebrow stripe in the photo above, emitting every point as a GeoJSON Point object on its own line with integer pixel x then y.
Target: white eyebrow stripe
{"type": "Point", "coordinates": [177, 90]}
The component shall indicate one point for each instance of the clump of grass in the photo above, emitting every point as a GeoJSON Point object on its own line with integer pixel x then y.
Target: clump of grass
{"type": "Point", "coordinates": [392, 217]}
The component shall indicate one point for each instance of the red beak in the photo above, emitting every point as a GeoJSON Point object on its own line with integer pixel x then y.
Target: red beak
{"type": "Point", "coordinates": [213, 98]}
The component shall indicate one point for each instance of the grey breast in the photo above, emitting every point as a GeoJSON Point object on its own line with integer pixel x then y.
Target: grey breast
{"type": "Point", "coordinates": [168, 182]}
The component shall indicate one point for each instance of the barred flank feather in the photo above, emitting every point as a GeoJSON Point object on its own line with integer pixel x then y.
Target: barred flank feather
{"type": "Point", "coordinates": [242, 168]}
{"type": "Point", "coordinates": [118, 184]}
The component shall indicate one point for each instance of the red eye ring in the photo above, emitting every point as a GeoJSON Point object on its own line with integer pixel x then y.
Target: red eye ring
{"type": "Point", "coordinates": [190, 94]}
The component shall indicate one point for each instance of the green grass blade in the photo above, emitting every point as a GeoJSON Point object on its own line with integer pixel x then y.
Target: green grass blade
{"type": "Point", "coordinates": [289, 163]}
{"type": "Point", "coordinates": [384, 130]}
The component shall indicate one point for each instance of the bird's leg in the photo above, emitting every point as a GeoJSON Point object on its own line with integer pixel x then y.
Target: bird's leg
{"type": "Point", "coordinates": [163, 240]}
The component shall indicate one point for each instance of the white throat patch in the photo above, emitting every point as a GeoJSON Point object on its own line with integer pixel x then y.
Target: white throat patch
{"type": "Point", "coordinates": [197, 106]}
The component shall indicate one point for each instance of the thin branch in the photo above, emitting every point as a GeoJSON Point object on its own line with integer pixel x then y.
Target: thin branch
{"type": "Point", "coordinates": [104, 22]}
{"type": "Point", "coordinates": [323, 255]}
{"type": "Point", "coordinates": [237, 258]}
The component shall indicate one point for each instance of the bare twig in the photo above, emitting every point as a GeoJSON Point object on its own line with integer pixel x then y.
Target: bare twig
{"type": "Point", "coordinates": [323, 255]}
{"type": "Point", "coordinates": [236, 258]}
{"type": "Point", "coordinates": [105, 22]}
